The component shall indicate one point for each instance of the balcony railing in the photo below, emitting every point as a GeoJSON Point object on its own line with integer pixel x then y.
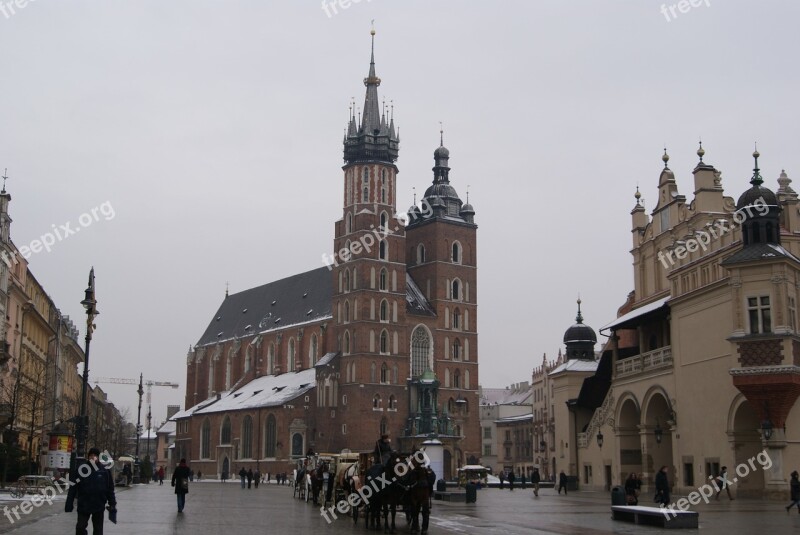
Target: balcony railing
{"type": "Point", "coordinates": [645, 362]}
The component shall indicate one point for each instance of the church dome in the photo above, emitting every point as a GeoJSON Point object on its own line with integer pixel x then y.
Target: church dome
{"type": "Point", "coordinates": [580, 332]}
{"type": "Point", "coordinates": [757, 193]}
{"type": "Point", "coordinates": [441, 152]}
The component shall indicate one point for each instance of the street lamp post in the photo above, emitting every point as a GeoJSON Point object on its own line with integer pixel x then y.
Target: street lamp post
{"type": "Point", "coordinates": [90, 304]}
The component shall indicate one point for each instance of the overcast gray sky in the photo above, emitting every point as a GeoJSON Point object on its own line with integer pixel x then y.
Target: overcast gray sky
{"type": "Point", "coordinates": [214, 131]}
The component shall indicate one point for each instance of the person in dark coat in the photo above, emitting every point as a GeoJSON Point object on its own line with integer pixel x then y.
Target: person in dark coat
{"type": "Point", "coordinates": [180, 480]}
{"type": "Point", "coordinates": [502, 477]}
{"type": "Point", "coordinates": [562, 482]}
{"type": "Point", "coordinates": [160, 475]}
{"type": "Point", "coordinates": [383, 449]}
{"type": "Point", "coordinates": [242, 475]}
{"type": "Point", "coordinates": [249, 478]}
{"type": "Point", "coordinates": [662, 487]}
{"type": "Point", "coordinates": [256, 477]}
{"type": "Point", "coordinates": [794, 487]}
{"type": "Point", "coordinates": [536, 478]}
{"type": "Point", "coordinates": [522, 480]}
{"type": "Point", "coordinates": [631, 490]}
{"type": "Point", "coordinates": [94, 487]}
{"type": "Point", "coordinates": [511, 478]}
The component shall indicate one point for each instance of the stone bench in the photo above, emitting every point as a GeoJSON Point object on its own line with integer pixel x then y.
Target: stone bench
{"type": "Point", "coordinates": [655, 516]}
{"type": "Point", "coordinates": [450, 496]}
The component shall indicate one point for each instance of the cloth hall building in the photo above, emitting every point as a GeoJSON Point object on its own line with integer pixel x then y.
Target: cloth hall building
{"type": "Point", "coordinates": [383, 339]}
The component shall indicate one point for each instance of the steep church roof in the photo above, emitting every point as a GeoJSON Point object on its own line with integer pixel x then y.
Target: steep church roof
{"type": "Point", "coordinates": [302, 298]}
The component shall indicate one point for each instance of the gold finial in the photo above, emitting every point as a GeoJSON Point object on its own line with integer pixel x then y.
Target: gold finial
{"type": "Point", "coordinates": [700, 151]}
{"type": "Point", "coordinates": [665, 158]}
{"type": "Point", "coordinates": [756, 154]}
{"type": "Point", "coordinates": [637, 195]}
{"type": "Point", "coordinates": [372, 31]}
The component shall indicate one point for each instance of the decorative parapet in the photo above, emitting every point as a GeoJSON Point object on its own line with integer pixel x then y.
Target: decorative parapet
{"type": "Point", "coordinates": [645, 362]}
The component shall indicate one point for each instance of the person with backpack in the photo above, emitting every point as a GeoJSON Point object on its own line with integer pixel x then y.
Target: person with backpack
{"type": "Point", "coordinates": [93, 487]}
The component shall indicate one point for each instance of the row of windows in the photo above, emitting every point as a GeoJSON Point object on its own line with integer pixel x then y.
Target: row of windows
{"type": "Point", "coordinates": [291, 361]}
{"type": "Point", "coordinates": [246, 437]}
{"type": "Point", "coordinates": [456, 253]}
{"type": "Point", "coordinates": [347, 343]}
{"type": "Point", "coordinates": [759, 314]}
{"type": "Point", "coordinates": [456, 321]}
{"type": "Point", "coordinates": [355, 192]}
{"type": "Point", "coordinates": [346, 313]}
{"type": "Point", "coordinates": [456, 381]}
{"type": "Point", "coordinates": [377, 402]}
{"type": "Point", "coordinates": [349, 280]}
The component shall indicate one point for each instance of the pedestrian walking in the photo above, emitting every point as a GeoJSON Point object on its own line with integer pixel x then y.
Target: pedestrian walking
{"type": "Point", "coordinates": [160, 475]}
{"type": "Point", "coordinates": [511, 478]}
{"type": "Point", "coordinates": [502, 478]}
{"type": "Point", "coordinates": [93, 487]}
{"type": "Point", "coordinates": [199, 475]}
{"type": "Point", "coordinates": [242, 475]}
{"type": "Point", "coordinates": [794, 487]}
{"type": "Point", "coordinates": [249, 478]}
{"type": "Point", "coordinates": [268, 477]}
{"type": "Point", "coordinates": [522, 480]}
{"type": "Point", "coordinates": [631, 492]}
{"type": "Point", "coordinates": [180, 480]}
{"type": "Point", "coordinates": [536, 478]}
{"type": "Point", "coordinates": [723, 483]}
{"type": "Point", "coordinates": [191, 475]}
{"type": "Point", "coordinates": [562, 482]}
{"type": "Point", "coordinates": [662, 487]}
{"type": "Point", "coordinates": [256, 477]}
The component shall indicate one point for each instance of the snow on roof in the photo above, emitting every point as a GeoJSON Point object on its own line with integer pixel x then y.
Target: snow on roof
{"type": "Point", "coordinates": [326, 359]}
{"type": "Point", "coordinates": [635, 313]}
{"type": "Point", "coordinates": [519, 418]}
{"type": "Point", "coordinates": [266, 391]}
{"type": "Point", "coordinates": [168, 427]}
{"type": "Point", "coordinates": [506, 396]}
{"type": "Point", "coordinates": [191, 410]}
{"type": "Point", "coordinates": [576, 365]}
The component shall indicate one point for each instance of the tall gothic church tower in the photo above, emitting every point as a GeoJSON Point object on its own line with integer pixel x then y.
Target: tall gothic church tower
{"type": "Point", "coordinates": [369, 279]}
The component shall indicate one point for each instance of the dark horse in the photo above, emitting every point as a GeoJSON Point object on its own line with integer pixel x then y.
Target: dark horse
{"type": "Point", "coordinates": [390, 485]}
{"type": "Point", "coordinates": [318, 482]}
{"type": "Point", "coordinates": [422, 480]}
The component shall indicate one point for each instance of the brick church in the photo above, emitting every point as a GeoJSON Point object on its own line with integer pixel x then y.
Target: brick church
{"type": "Point", "coordinates": [382, 339]}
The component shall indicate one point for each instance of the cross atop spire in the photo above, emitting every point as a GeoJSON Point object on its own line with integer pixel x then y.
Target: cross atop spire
{"type": "Point", "coordinates": [756, 180]}
{"type": "Point", "coordinates": [5, 177]}
{"type": "Point", "coordinates": [373, 136]}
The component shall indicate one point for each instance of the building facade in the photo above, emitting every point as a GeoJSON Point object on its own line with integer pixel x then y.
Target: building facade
{"type": "Point", "coordinates": [382, 340]}
{"type": "Point", "coordinates": [499, 406]}
{"type": "Point", "coordinates": [702, 369]}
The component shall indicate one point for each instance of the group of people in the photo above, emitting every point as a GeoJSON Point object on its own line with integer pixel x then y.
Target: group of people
{"type": "Point", "coordinates": [249, 476]}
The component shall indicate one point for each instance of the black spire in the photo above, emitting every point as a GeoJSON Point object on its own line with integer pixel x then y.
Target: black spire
{"type": "Point", "coordinates": [373, 139]}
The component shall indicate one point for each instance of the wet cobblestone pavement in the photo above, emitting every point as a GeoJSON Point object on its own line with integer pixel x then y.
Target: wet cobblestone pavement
{"type": "Point", "coordinates": [214, 508]}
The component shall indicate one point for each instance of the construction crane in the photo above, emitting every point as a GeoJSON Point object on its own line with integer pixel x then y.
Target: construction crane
{"type": "Point", "coordinates": [150, 384]}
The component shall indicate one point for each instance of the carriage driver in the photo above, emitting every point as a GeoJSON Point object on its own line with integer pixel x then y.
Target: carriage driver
{"type": "Point", "coordinates": [383, 449]}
